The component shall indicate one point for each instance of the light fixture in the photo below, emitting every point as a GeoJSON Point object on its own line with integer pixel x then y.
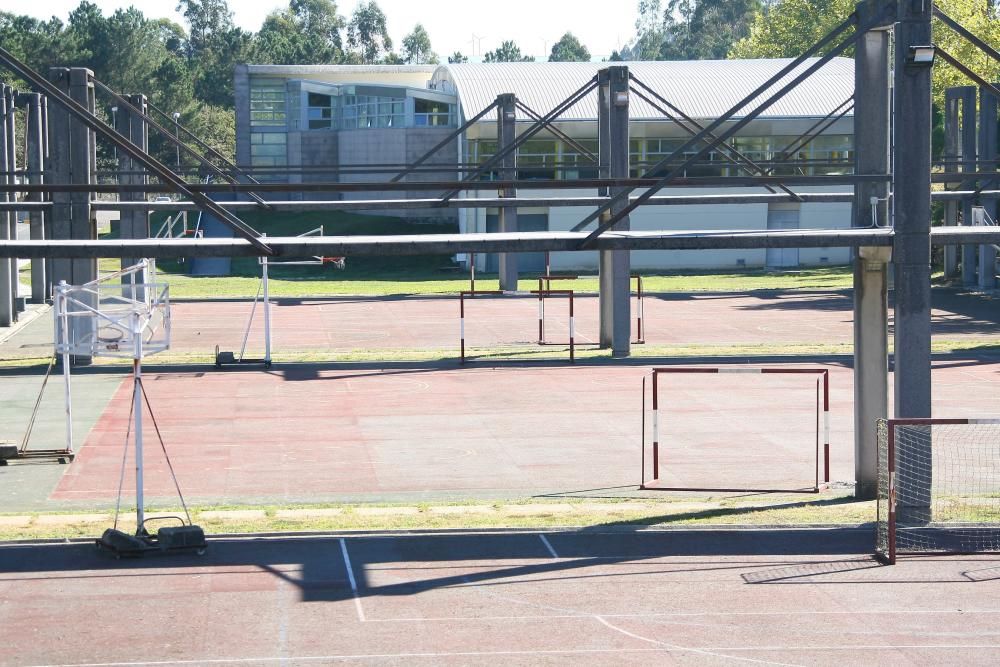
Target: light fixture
{"type": "Point", "coordinates": [621, 99]}
{"type": "Point", "coordinates": [922, 55]}
{"type": "Point", "coordinates": [177, 116]}
{"type": "Point", "coordinates": [509, 115]}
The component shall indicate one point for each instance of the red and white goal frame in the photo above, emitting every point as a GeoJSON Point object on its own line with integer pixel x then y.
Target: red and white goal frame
{"type": "Point", "coordinates": [938, 487]}
{"type": "Point", "coordinates": [823, 409]}
{"type": "Point", "coordinates": [541, 294]}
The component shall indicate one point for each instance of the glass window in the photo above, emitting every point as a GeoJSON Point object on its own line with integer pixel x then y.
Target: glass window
{"type": "Point", "coordinates": [268, 149]}
{"type": "Point", "coordinates": [367, 111]}
{"type": "Point", "coordinates": [320, 111]}
{"type": "Point", "coordinates": [268, 104]}
{"type": "Point", "coordinates": [428, 113]}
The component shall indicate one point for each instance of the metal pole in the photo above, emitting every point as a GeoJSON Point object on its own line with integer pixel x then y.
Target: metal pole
{"type": "Point", "coordinates": [137, 417]}
{"type": "Point", "coordinates": [11, 147]}
{"type": "Point", "coordinates": [8, 228]}
{"type": "Point", "coordinates": [615, 265]}
{"type": "Point", "coordinates": [507, 223]}
{"type": "Point", "coordinates": [967, 95]}
{"type": "Point", "coordinates": [267, 313]}
{"type": "Point", "coordinates": [987, 156]}
{"type": "Point", "coordinates": [35, 164]}
{"type": "Point", "coordinates": [63, 339]}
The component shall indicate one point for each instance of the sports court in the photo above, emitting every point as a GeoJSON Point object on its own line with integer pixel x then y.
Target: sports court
{"type": "Point", "coordinates": [590, 597]}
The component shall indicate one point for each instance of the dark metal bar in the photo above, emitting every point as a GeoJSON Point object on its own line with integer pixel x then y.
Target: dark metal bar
{"type": "Point", "coordinates": [746, 120]}
{"type": "Point", "coordinates": [726, 117]}
{"type": "Point", "coordinates": [444, 142]}
{"type": "Point", "coordinates": [578, 184]}
{"type": "Point", "coordinates": [172, 138]}
{"type": "Point", "coordinates": [535, 128]}
{"type": "Point", "coordinates": [148, 161]}
{"type": "Point", "coordinates": [445, 244]}
{"type": "Point", "coordinates": [730, 150]}
{"type": "Point", "coordinates": [961, 30]}
{"type": "Point", "coordinates": [957, 64]}
{"type": "Point", "coordinates": [827, 122]}
{"type": "Point", "coordinates": [535, 116]}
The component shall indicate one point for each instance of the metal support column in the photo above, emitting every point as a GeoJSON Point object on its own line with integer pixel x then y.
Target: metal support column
{"type": "Point", "coordinates": [950, 157]}
{"type": "Point", "coordinates": [969, 140]}
{"type": "Point", "coordinates": [615, 265]}
{"type": "Point", "coordinates": [58, 171]}
{"type": "Point", "coordinates": [83, 163]}
{"type": "Point", "coordinates": [987, 156]}
{"type": "Point", "coordinates": [507, 222]}
{"type": "Point", "coordinates": [912, 209]}
{"type": "Point", "coordinates": [133, 224]}
{"type": "Point", "coordinates": [8, 230]}
{"type": "Point", "coordinates": [35, 164]}
{"type": "Point", "coordinates": [871, 313]}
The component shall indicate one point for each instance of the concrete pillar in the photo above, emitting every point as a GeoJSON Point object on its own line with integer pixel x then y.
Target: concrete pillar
{"type": "Point", "coordinates": [35, 164]}
{"type": "Point", "coordinates": [133, 224]}
{"type": "Point", "coordinates": [59, 172]}
{"type": "Point", "coordinates": [8, 310]}
{"type": "Point", "coordinates": [969, 140]}
{"type": "Point", "coordinates": [871, 312]}
{"type": "Point", "coordinates": [507, 223]}
{"type": "Point", "coordinates": [987, 155]}
{"type": "Point", "coordinates": [912, 254]}
{"type": "Point", "coordinates": [912, 209]}
{"type": "Point", "coordinates": [615, 265]}
{"type": "Point", "coordinates": [83, 162]}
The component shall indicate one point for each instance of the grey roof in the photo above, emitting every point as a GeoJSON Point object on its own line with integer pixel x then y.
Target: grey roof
{"type": "Point", "coordinates": [316, 70]}
{"type": "Point", "coordinates": [701, 88]}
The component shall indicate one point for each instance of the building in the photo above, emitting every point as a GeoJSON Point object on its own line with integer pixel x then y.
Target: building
{"type": "Point", "coordinates": [335, 121]}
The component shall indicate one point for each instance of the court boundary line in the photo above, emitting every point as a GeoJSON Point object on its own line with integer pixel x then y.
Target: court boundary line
{"type": "Point", "coordinates": [352, 581]}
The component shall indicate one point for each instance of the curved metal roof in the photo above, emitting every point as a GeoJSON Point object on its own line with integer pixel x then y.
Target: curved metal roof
{"type": "Point", "coordinates": [703, 89]}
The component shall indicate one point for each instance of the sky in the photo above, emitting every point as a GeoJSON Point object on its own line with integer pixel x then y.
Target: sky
{"type": "Point", "coordinates": [470, 26]}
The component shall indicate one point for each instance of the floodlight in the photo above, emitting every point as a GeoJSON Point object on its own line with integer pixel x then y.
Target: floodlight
{"type": "Point", "coordinates": [922, 55]}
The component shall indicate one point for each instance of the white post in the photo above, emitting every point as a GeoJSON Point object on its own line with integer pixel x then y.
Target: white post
{"type": "Point", "coordinates": [137, 417]}
{"type": "Point", "coordinates": [267, 314]}
{"type": "Point", "coordinates": [63, 340]}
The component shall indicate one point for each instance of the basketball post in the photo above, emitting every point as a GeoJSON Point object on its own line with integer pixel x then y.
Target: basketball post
{"type": "Point", "coordinates": [267, 311]}
{"type": "Point", "coordinates": [63, 339]}
{"type": "Point", "coordinates": [140, 518]}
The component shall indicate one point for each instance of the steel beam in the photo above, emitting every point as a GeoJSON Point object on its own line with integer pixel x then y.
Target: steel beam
{"type": "Point", "coordinates": [912, 210]}
{"type": "Point", "coordinates": [615, 265]}
{"type": "Point", "coordinates": [988, 103]}
{"type": "Point", "coordinates": [8, 288]}
{"type": "Point", "coordinates": [131, 121]}
{"type": "Point", "coordinates": [35, 165]}
{"type": "Point", "coordinates": [506, 105]}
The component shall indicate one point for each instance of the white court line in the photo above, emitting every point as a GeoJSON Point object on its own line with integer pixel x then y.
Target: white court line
{"type": "Point", "coordinates": [709, 652]}
{"type": "Point", "coordinates": [350, 578]}
{"type": "Point", "coordinates": [471, 654]}
{"type": "Point", "coordinates": [693, 614]}
{"type": "Point", "coordinates": [548, 545]}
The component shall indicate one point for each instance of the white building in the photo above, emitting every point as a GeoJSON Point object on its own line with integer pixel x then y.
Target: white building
{"type": "Point", "coordinates": [343, 116]}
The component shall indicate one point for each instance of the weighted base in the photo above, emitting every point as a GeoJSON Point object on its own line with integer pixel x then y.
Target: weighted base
{"type": "Point", "coordinates": [166, 540]}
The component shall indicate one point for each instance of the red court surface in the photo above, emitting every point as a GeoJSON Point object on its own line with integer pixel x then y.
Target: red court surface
{"type": "Point", "coordinates": [328, 433]}
{"type": "Point", "coordinates": [589, 597]}
{"type": "Point", "coordinates": [353, 323]}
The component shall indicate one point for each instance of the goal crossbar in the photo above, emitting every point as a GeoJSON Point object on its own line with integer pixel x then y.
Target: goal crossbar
{"type": "Point", "coordinates": [823, 408]}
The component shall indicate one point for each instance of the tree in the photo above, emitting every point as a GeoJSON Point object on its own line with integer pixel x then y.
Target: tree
{"type": "Point", "coordinates": [569, 49]}
{"type": "Point", "coordinates": [457, 58]}
{"type": "Point", "coordinates": [507, 52]}
{"type": "Point", "coordinates": [706, 29]}
{"type": "Point", "coordinates": [367, 33]}
{"type": "Point", "coordinates": [789, 27]}
{"type": "Point", "coordinates": [417, 47]}
{"type": "Point", "coordinates": [308, 32]}
{"type": "Point", "coordinates": [648, 32]}
{"type": "Point", "coordinates": [214, 46]}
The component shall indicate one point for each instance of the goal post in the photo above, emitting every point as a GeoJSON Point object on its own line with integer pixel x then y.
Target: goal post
{"type": "Point", "coordinates": [822, 413]}
{"type": "Point", "coordinates": [468, 295]}
{"type": "Point", "coordinates": [938, 487]}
